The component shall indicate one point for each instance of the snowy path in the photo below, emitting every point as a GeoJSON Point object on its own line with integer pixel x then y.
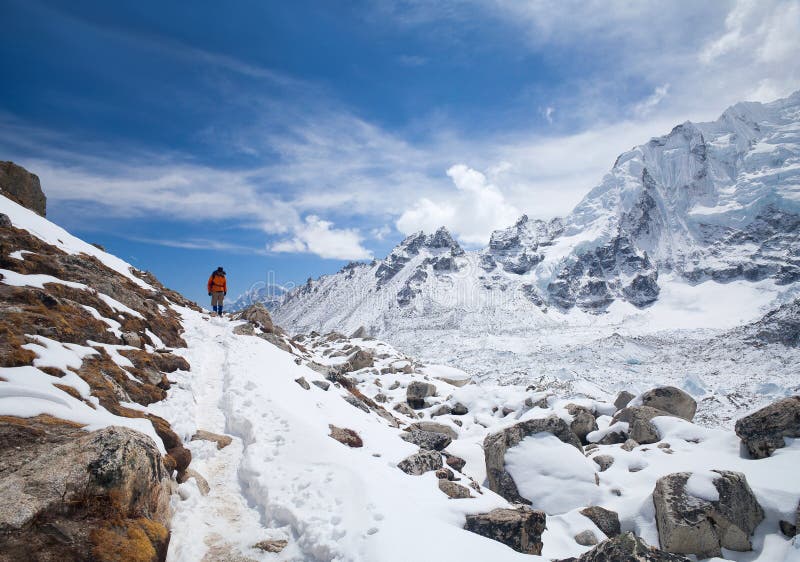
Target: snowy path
{"type": "Point", "coordinates": [283, 477]}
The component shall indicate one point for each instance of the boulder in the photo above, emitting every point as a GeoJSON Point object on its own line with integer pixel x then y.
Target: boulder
{"type": "Point", "coordinates": [520, 529]}
{"type": "Point", "coordinates": [303, 382]}
{"type": "Point", "coordinates": [586, 538]}
{"type": "Point", "coordinates": [626, 548]}
{"type": "Point", "coordinates": [496, 444]}
{"type": "Point", "coordinates": [427, 439]}
{"type": "Point", "coordinates": [5, 222]}
{"type": "Point", "coordinates": [583, 421]}
{"type": "Point", "coordinates": [459, 409]}
{"type": "Point", "coordinates": [356, 403]}
{"type": "Point", "coordinates": [416, 393]}
{"type": "Point", "coordinates": [244, 330]}
{"type": "Point", "coordinates": [324, 385]}
{"type": "Point", "coordinates": [49, 465]}
{"type": "Point", "coordinates": [762, 432]}
{"type": "Point", "coordinates": [422, 462]}
{"type": "Point", "coordinates": [788, 529]}
{"type": "Point", "coordinates": [671, 400]}
{"type": "Point", "coordinates": [132, 339]}
{"type": "Point", "coordinates": [605, 519]}
{"type": "Point", "coordinates": [640, 429]}
{"type": "Point", "coordinates": [222, 441]}
{"type": "Point", "coordinates": [360, 359]}
{"type": "Point", "coordinates": [435, 427]}
{"type": "Point", "coordinates": [623, 399]}
{"type": "Point", "coordinates": [346, 436]}
{"type": "Point", "coordinates": [692, 525]}
{"type": "Point", "coordinates": [453, 490]}
{"type": "Point", "coordinates": [454, 462]}
{"type": "Point", "coordinates": [629, 445]}
{"type": "Point", "coordinates": [202, 483]}
{"type": "Point", "coordinates": [19, 185]}
{"type": "Point", "coordinates": [603, 461]}
{"type": "Point", "coordinates": [442, 410]}
{"type": "Point", "coordinates": [258, 315]}
{"type": "Point", "coordinates": [405, 410]}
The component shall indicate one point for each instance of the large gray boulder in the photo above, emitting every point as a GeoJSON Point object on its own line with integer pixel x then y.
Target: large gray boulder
{"type": "Point", "coordinates": [702, 526]}
{"type": "Point", "coordinates": [626, 548]}
{"type": "Point", "coordinates": [427, 439]}
{"type": "Point", "coordinates": [583, 421]}
{"type": "Point", "coordinates": [417, 392]}
{"type": "Point", "coordinates": [640, 428]}
{"type": "Point", "coordinates": [435, 427]}
{"type": "Point", "coordinates": [59, 481]}
{"type": "Point", "coordinates": [671, 400]}
{"type": "Point", "coordinates": [19, 185]}
{"type": "Point", "coordinates": [422, 462]}
{"type": "Point", "coordinates": [496, 445]}
{"type": "Point", "coordinates": [520, 528]}
{"type": "Point", "coordinates": [762, 432]}
{"type": "Point", "coordinates": [623, 399]}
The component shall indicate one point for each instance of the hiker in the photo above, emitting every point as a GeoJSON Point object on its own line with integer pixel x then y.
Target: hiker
{"type": "Point", "coordinates": [217, 289]}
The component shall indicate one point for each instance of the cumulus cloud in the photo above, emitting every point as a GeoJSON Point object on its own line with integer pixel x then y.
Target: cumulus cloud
{"type": "Point", "coordinates": [317, 236]}
{"type": "Point", "coordinates": [472, 212]}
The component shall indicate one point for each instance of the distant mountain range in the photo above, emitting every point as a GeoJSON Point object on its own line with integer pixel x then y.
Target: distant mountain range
{"type": "Point", "coordinates": [269, 294]}
{"type": "Point", "coordinates": [715, 201]}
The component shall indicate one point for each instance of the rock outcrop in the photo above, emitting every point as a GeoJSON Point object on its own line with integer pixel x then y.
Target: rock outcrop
{"type": "Point", "coordinates": [427, 439]}
{"type": "Point", "coordinates": [67, 492]}
{"type": "Point", "coordinates": [688, 524]}
{"type": "Point", "coordinates": [19, 185]}
{"type": "Point", "coordinates": [628, 548]}
{"type": "Point", "coordinates": [583, 421]}
{"type": "Point", "coordinates": [520, 528]}
{"type": "Point", "coordinates": [762, 432]}
{"type": "Point", "coordinates": [496, 445]}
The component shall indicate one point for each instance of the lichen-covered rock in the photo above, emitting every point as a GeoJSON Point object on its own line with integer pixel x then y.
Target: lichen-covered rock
{"type": "Point", "coordinates": [417, 392]}
{"type": "Point", "coordinates": [405, 410]}
{"type": "Point", "coordinates": [454, 462]}
{"type": "Point", "coordinates": [324, 385]}
{"type": "Point", "coordinates": [495, 446]}
{"type": "Point", "coordinates": [762, 432]}
{"type": "Point", "coordinates": [359, 359]}
{"type": "Point", "coordinates": [258, 315]}
{"type": "Point", "coordinates": [583, 421]}
{"type": "Point", "coordinates": [626, 548]}
{"type": "Point", "coordinates": [453, 490]}
{"type": "Point", "coordinates": [427, 439]}
{"type": "Point", "coordinates": [605, 519]}
{"type": "Point", "coordinates": [520, 529]}
{"type": "Point", "coordinates": [691, 525]}
{"type": "Point", "coordinates": [459, 409]}
{"type": "Point", "coordinates": [671, 400]}
{"type": "Point", "coordinates": [422, 462]}
{"type": "Point", "coordinates": [303, 382]}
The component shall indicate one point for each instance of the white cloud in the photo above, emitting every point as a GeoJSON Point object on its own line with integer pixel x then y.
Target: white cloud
{"type": "Point", "coordinates": [547, 113]}
{"type": "Point", "coordinates": [381, 232]}
{"type": "Point", "coordinates": [317, 236]}
{"type": "Point", "coordinates": [471, 213]}
{"type": "Point", "coordinates": [646, 106]}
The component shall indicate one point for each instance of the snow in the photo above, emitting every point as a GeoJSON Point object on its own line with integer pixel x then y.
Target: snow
{"type": "Point", "coordinates": [52, 234]}
{"type": "Point", "coordinates": [51, 353]}
{"type": "Point", "coordinates": [113, 325]}
{"type": "Point", "coordinates": [701, 485]}
{"type": "Point", "coordinates": [556, 476]}
{"type": "Point", "coordinates": [19, 254]}
{"type": "Point", "coordinates": [37, 281]}
{"type": "Point", "coordinates": [118, 306]}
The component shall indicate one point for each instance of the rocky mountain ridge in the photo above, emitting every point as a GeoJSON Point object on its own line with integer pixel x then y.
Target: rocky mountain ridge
{"type": "Point", "coordinates": [707, 202]}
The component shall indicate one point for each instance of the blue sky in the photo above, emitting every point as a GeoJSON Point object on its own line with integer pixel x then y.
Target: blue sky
{"type": "Point", "coordinates": [296, 136]}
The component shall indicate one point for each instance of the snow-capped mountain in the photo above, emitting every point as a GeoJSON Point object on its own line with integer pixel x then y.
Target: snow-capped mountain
{"type": "Point", "coordinates": [268, 294]}
{"type": "Point", "coordinates": [709, 202]}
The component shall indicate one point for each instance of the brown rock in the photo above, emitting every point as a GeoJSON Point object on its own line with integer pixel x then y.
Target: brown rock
{"type": "Point", "coordinates": [520, 529]}
{"type": "Point", "coordinates": [453, 490]}
{"type": "Point", "coordinates": [605, 519]}
{"type": "Point", "coordinates": [222, 441]}
{"type": "Point", "coordinates": [19, 185]}
{"type": "Point", "coordinates": [346, 436]}
{"type": "Point", "coordinates": [273, 546]}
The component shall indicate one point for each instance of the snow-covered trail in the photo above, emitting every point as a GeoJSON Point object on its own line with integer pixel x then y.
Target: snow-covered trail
{"type": "Point", "coordinates": [283, 477]}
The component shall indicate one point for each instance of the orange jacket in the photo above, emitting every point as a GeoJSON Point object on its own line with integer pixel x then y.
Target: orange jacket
{"type": "Point", "coordinates": [217, 283]}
